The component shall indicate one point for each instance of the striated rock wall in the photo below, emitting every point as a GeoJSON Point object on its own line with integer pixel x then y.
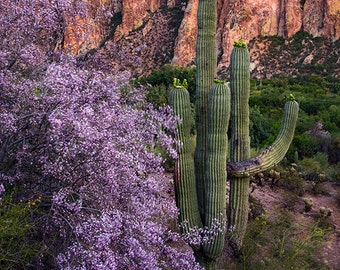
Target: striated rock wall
{"type": "Point", "coordinates": [90, 25]}
{"type": "Point", "coordinates": [322, 18]}
{"type": "Point", "coordinates": [94, 24]}
{"type": "Point", "coordinates": [135, 14]}
{"type": "Point", "coordinates": [166, 29]}
{"type": "Point", "coordinates": [185, 47]}
{"type": "Point", "coordinates": [248, 19]}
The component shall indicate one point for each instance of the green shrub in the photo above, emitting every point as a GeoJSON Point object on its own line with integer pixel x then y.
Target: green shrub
{"type": "Point", "coordinates": [306, 145]}
{"type": "Point", "coordinates": [322, 159]}
{"type": "Point", "coordinates": [311, 169]}
{"type": "Point", "coordinates": [19, 245]}
{"type": "Point", "coordinates": [281, 244]}
{"type": "Point", "coordinates": [165, 76]}
{"type": "Point", "coordinates": [158, 95]}
{"type": "Point", "coordinates": [291, 180]}
{"type": "Point", "coordinates": [259, 127]}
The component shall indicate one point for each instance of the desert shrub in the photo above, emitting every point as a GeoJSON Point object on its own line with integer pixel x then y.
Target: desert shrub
{"type": "Point", "coordinates": [158, 95]}
{"type": "Point", "coordinates": [281, 244]}
{"type": "Point", "coordinates": [311, 169]}
{"type": "Point", "coordinates": [259, 127]}
{"type": "Point", "coordinates": [333, 172]}
{"type": "Point", "coordinates": [20, 245]}
{"type": "Point", "coordinates": [334, 150]}
{"type": "Point", "coordinates": [291, 180]}
{"type": "Point", "coordinates": [78, 135]}
{"type": "Point", "coordinates": [94, 143]}
{"type": "Point", "coordinates": [165, 76]}
{"type": "Point", "coordinates": [333, 84]}
{"type": "Point", "coordinates": [322, 159]}
{"type": "Point", "coordinates": [306, 145]}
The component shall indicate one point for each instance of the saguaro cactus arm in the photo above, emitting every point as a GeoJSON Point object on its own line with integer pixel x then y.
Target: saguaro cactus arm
{"type": "Point", "coordinates": [239, 142]}
{"type": "Point", "coordinates": [216, 175]}
{"type": "Point", "coordinates": [274, 153]}
{"type": "Point", "coordinates": [184, 176]}
{"type": "Point", "coordinates": [241, 166]}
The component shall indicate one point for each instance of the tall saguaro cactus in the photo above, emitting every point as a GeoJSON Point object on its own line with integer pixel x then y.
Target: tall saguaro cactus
{"type": "Point", "coordinates": [185, 184]}
{"type": "Point", "coordinates": [216, 172]}
{"type": "Point", "coordinates": [200, 184]}
{"type": "Point", "coordinates": [206, 62]}
{"type": "Point", "coordinates": [239, 142]}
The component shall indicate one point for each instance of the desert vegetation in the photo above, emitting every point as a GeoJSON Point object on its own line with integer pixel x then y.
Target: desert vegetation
{"type": "Point", "coordinates": [87, 154]}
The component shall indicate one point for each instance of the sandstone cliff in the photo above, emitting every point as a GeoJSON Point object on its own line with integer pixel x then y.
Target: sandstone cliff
{"type": "Point", "coordinates": [252, 18]}
{"type": "Point", "coordinates": [153, 32]}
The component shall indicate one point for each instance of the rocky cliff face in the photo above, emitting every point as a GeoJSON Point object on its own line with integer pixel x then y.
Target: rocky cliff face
{"type": "Point", "coordinates": [154, 32]}
{"type": "Point", "coordinates": [252, 18]}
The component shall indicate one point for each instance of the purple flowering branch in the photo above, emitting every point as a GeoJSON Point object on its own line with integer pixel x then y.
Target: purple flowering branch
{"type": "Point", "coordinates": [84, 140]}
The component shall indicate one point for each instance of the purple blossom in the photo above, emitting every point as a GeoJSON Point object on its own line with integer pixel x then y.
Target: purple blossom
{"type": "Point", "coordinates": [84, 140]}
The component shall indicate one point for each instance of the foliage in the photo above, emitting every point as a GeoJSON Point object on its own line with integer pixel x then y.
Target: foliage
{"type": "Point", "coordinates": [291, 179]}
{"type": "Point", "coordinates": [281, 244]}
{"type": "Point", "coordinates": [316, 95]}
{"type": "Point", "coordinates": [81, 141]}
{"type": "Point", "coordinates": [319, 104]}
{"type": "Point", "coordinates": [158, 95]}
{"type": "Point", "coordinates": [84, 141]}
{"type": "Point", "coordinates": [17, 250]}
{"type": "Point", "coordinates": [259, 127]}
{"type": "Point", "coordinates": [305, 144]}
{"type": "Point", "coordinates": [164, 77]}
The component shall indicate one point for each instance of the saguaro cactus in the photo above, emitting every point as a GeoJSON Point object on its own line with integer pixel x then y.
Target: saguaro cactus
{"type": "Point", "coordinates": [206, 62]}
{"type": "Point", "coordinates": [216, 173]}
{"type": "Point", "coordinates": [200, 184]}
{"type": "Point", "coordinates": [185, 183]}
{"type": "Point", "coordinates": [240, 162]}
{"type": "Point", "coordinates": [239, 142]}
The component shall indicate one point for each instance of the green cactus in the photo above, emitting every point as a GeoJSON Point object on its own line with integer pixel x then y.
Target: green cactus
{"type": "Point", "coordinates": [308, 204]}
{"type": "Point", "coordinates": [206, 62]}
{"type": "Point", "coordinates": [274, 153]}
{"type": "Point", "coordinates": [239, 143]}
{"type": "Point", "coordinates": [200, 182]}
{"type": "Point", "coordinates": [216, 173]}
{"type": "Point", "coordinates": [184, 177]}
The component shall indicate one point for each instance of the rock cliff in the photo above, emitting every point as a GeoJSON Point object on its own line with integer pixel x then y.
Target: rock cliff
{"type": "Point", "coordinates": [151, 33]}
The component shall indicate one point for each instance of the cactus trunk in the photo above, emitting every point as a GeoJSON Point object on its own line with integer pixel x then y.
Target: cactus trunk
{"type": "Point", "coordinates": [206, 61]}
{"type": "Point", "coordinates": [184, 177]}
{"type": "Point", "coordinates": [216, 174]}
{"type": "Point", "coordinates": [239, 144]}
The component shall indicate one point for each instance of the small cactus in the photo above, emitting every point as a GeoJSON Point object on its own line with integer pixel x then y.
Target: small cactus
{"type": "Point", "coordinates": [329, 212]}
{"type": "Point", "coordinates": [322, 211]}
{"type": "Point", "coordinates": [308, 204]}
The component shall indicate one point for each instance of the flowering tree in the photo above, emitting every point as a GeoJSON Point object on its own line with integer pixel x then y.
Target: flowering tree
{"type": "Point", "coordinates": [84, 141]}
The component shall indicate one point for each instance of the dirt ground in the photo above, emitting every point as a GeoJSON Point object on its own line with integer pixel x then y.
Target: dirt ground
{"type": "Point", "coordinates": [274, 198]}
